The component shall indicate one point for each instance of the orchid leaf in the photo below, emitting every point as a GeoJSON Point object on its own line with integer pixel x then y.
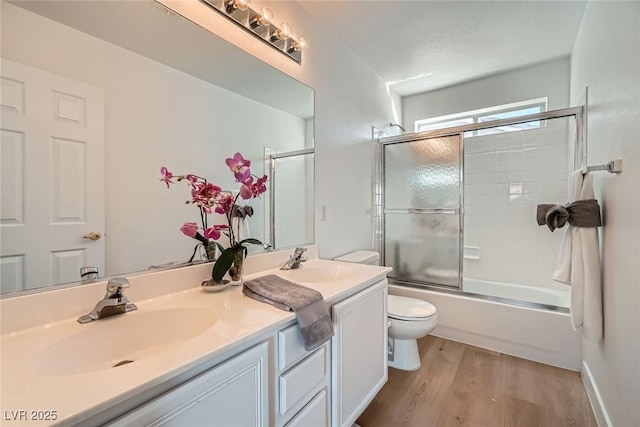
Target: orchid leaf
{"type": "Point", "coordinates": [223, 264]}
{"type": "Point", "coordinates": [220, 247]}
{"type": "Point", "coordinates": [250, 241]}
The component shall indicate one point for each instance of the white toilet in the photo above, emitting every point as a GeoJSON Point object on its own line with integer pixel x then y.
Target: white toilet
{"type": "Point", "coordinates": [409, 318]}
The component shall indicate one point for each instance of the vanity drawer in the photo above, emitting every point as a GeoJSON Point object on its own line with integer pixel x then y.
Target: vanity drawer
{"type": "Point", "coordinates": [314, 414]}
{"type": "Point", "coordinates": [290, 347]}
{"type": "Point", "coordinates": [301, 379]}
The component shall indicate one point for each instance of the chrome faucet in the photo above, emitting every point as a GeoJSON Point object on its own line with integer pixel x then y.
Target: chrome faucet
{"type": "Point", "coordinates": [114, 302]}
{"type": "Point", "coordinates": [89, 274]}
{"type": "Point", "coordinates": [295, 260]}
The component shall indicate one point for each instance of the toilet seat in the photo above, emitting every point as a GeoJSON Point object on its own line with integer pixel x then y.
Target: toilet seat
{"type": "Point", "coordinates": [410, 309]}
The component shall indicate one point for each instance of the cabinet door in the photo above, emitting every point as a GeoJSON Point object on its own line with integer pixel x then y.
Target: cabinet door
{"type": "Point", "coordinates": [233, 394]}
{"type": "Point", "coordinates": [359, 352]}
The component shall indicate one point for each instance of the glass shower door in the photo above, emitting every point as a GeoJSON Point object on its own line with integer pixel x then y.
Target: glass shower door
{"type": "Point", "coordinates": [422, 210]}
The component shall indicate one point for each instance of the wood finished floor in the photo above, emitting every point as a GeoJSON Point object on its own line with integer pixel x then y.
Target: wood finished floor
{"type": "Point", "coordinates": [462, 385]}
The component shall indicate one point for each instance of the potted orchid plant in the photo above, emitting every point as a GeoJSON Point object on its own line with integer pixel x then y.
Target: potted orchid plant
{"type": "Point", "coordinates": [209, 199]}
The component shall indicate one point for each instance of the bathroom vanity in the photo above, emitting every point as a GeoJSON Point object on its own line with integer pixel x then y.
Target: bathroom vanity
{"type": "Point", "coordinates": [187, 357]}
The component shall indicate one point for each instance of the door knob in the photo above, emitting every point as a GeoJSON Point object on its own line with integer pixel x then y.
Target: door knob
{"type": "Point", "coordinates": [94, 235]}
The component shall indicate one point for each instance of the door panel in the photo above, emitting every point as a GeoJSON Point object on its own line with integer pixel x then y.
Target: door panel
{"type": "Point", "coordinates": [423, 247]}
{"type": "Point", "coordinates": [52, 156]}
{"type": "Point", "coordinates": [422, 213]}
{"type": "Point", "coordinates": [423, 174]}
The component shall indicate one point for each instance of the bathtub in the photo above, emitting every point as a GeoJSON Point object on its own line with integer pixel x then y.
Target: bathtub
{"type": "Point", "coordinates": [533, 333]}
{"type": "Point", "coordinates": [546, 296]}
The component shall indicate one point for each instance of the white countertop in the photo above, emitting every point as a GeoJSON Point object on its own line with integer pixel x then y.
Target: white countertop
{"type": "Point", "coordinates": [76, 397]}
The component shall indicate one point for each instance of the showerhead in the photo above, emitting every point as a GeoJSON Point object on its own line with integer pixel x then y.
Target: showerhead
{"type": "Point", "coordinates": [395, 124]}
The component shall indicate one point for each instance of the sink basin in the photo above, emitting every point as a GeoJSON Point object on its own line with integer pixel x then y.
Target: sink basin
{"type": "Point", "coordinates": [318, 273]}
{"type": "Point", "coordinates": [122, 339]}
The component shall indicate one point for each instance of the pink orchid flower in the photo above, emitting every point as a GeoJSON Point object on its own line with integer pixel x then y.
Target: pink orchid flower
{"type": "Point", "coordinates": [240, 167]}
{"type": "Point", "coordinates": [249, 189]}
{"type": "Point", "coordinates": [210, 198]}
{"type": "Point", "coordinates": [165, 176]}
{"type": "Point", "coordinates": [260, 185]}
{"type": "Point", "coordinates": [214, 232]}
{"type": "Point", "coordinates": [245, 191]}
{"type": "Point", "coordinates": [203, 194]}
{"type": "Point", "coordinates": [224, 204]}
{"type": "Point", "coordinates": [189, 229]}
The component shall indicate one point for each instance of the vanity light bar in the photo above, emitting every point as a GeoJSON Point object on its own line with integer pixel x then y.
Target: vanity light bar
{"type": "Point", "coordinates": [260, 24]}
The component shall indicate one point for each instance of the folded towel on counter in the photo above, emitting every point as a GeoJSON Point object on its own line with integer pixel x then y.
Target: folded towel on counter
{"type": "Point", "coordinates": [581, 213]}
{"type": "Point", "coordinates": [308, 304]}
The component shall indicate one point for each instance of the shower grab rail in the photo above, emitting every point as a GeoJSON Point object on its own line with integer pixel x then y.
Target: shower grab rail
{"type": "Point", "coordinates": [422, 211]}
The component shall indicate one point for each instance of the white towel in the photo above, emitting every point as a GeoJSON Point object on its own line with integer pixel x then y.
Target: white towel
{"type": "Point", "coordinates": [578, 265]}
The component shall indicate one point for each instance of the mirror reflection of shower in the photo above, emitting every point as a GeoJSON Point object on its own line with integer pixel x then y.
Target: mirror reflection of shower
{"type": "Point", "coordinates": [291, 192]}
{"type": "Point", "coordinates": [392, 125]}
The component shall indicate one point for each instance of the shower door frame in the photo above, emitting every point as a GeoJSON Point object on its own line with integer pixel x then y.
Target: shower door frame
{"type": "Point", "coordinates": [272, 159]}
{"type": "Point", "coordinates": [580, 154]}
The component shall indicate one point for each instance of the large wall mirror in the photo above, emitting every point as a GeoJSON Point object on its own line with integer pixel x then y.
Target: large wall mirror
{"type": "Point", "coordinates": [97, 96]}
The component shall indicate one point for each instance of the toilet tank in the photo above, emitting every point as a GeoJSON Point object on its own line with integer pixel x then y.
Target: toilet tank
{"type": "Point", "coordinates": [360, 257]}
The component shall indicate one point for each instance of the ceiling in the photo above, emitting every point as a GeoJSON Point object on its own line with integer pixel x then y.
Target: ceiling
{"type": "Point", "coordinates": [419, 46]}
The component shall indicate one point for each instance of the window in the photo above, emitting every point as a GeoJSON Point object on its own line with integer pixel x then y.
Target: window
{"type": "Point", "coordinates": [506, 111]}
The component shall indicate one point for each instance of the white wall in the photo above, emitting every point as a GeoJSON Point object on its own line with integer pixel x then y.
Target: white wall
{"type": "Point", "coordinates": [155, 116]}
{"type": "Point", "coordinates": [606, 58]}
{"type": "Point", "coordinates": [547, 79]}
{"type": "Point", "coordinates": [349, 100]}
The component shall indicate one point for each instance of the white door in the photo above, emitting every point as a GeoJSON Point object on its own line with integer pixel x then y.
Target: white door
{"type": "Point", "coordinates": [52, 177]}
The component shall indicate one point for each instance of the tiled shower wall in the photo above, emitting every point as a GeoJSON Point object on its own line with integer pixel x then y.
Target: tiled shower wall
{"type": "Point", "coordinates": [505, 176]}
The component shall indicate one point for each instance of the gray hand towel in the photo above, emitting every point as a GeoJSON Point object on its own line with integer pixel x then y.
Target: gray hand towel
{"type": "Point", "coordinates": [308, 304]}
{"type": "Point", "coordinates": [581, 213]}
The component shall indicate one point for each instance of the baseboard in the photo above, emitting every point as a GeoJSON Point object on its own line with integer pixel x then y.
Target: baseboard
{"type": "Point", "coordinates": [599, 410]}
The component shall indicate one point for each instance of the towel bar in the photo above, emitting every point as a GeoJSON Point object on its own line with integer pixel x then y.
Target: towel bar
{"type": "Point", "coordinates": [614, 166]}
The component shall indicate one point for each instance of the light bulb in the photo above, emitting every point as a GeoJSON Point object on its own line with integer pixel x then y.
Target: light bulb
{"type": "Point", "coordinates": [297, 46]}
{"type": "Point", "coordinates": [282, 33]}
{"type": "Point", "coordinates": [232, 5]}
{"type": "Point", "coordinates": [285, 30]}
{"type": "Point", "coordinates": [243, 4]}
{"type": "Point", "coordinates": [262, 20]}
{"type": "Point", "coordinates": [267, 15]}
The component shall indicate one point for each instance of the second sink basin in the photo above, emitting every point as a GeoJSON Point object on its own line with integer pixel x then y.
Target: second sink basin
{"type": "Point", "coordinates": [122, 339]}
{"type": "Point", "coordinates": [318, 273]}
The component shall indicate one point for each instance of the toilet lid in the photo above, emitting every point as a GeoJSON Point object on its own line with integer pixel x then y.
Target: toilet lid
{"type": "Point", "coordinates": [404, 308]}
